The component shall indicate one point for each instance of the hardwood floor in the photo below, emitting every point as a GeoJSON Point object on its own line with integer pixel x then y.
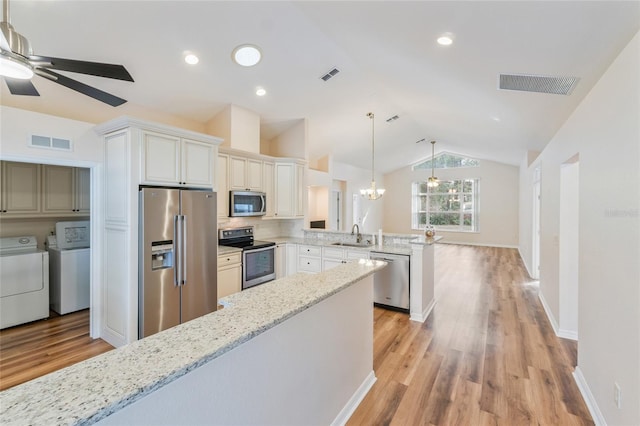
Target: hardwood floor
{"type": "Point", "coordinates": [35, 349]}
{"type": "Point", "coordinates": [486, 355]}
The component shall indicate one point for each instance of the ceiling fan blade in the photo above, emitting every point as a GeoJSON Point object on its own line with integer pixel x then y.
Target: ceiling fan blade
{"type": "Point", "coordinates": [98, 94]}
{"type": "Point", "coordinates": [4, 44]}
{"type": "Point", "coordinates": [117, 72]}
{"type": "Point", "coordinates": [21, 87]}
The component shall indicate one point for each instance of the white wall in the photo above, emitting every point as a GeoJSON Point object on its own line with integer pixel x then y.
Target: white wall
{"type": "Point", "coordinates": [498, 202]}
{"type": "Point", "coordinates": [605, 131]}
{"type": "Point", "coordinates": [371, 212]}
{"type": "Point", "coordinates": [16, 127]}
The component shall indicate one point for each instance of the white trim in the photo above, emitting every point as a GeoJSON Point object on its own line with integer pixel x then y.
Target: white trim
{"type": "Point", "coordinates": [526, 265]}
{"type": "Point", "coordinates": [568, 334]}
{"type": "Point", "coordinates": [425, 313]}
{"type": "Point", "coordinates": [461, 243]}
{"type": "Point", "coordinates": [347, 411]}
{"type": "Point", "coordinates": [547, 310]}
{"type": "Point", "coordinates": [588, 397]}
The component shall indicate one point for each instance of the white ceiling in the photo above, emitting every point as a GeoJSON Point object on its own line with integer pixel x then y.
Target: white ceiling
{"type": "Point", "coordinates": [386, 52]}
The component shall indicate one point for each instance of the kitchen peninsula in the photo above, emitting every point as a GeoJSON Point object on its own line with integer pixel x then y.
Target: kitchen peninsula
{"type": "Point", "coordinates": [297, 350]}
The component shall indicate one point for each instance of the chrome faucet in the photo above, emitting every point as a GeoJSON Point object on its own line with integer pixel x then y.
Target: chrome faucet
{"type": "Point", "coordinates": [358, 235]}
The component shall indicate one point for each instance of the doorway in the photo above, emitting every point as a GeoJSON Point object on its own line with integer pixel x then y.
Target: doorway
{"type": "Point", "coordinates": [535, 237]}
{"type": "Point", "coordinates": [336, 205]}
{"type": "Point", "coordinates": [568, 249]}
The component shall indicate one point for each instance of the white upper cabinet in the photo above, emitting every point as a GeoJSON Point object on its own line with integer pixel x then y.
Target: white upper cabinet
{"type": "Point", "coordinates": [66, 190]}
{"type": "Point", "coordinates": [245, 174]}
{"type": "Point", "coordinates": [268, 173]}
{"type": "Point", "coordinates": [19, 188]}
{"type": "Point", "coordinates": [174, 161]}
{"type": "Point", "coordinates": [289, 189]}
{"type": "Point", "coordinates": [222, 185]}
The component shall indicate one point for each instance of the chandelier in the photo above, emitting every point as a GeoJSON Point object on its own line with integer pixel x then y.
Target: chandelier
{"type": "Point", "coordinates": [372, 193]}
{"type": "Point", "coordinates": [433, 181]}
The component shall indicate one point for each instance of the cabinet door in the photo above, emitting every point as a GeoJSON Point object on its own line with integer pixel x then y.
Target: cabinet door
{"type": "Point", "coordinates": [237, 173]}
{"type": "Point", "coordinates": [160, 159]}
{"type": "Point", "coordinates": [268, 187]}
{"type": "Point", "coordinates": [300, 190]}
{"type": "Point", "coordinates": [285, 181]}
{"type": "Point", "coordinates": [20, 188]}
{"type": "Point", "coordinates": [254, 175]}
{"type": "Point", "coordinates": [222, 169]}
{"type": "Point", "coordinates": [281, 261]}
{"type": "Point", "coordinates": [82, 190]}
{"type": "Point", "coordinates": [229, 280]}
{"type": "Point", "coordinates": [331, 263]}
{"type": "Point", "coordinates": [197, 163]}
{"type": "Point", "coordinates": [292, 259]}
{"type": "Point", "coordinates": [58, 184]}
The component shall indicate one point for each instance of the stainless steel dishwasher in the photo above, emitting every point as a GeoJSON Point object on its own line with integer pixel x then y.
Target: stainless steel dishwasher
{"type": "Point", "coordinates": [391, 284]}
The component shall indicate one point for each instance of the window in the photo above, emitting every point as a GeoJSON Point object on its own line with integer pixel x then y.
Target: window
{"type": "Point", "coordinates": [444, 160]}
{"type": "Point", "coordinates": [451, 206]}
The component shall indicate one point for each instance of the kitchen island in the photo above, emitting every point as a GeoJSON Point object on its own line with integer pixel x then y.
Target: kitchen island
{"type": "Point", "coordinates": [419, 248]}
{"type": "Point", "coordinates": [297, 350]}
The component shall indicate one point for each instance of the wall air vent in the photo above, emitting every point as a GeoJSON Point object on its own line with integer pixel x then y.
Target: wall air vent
{"type": "Point", "coordinates": [330, 74]}
{"type": "Point", "coordinates": [391, 119]}
{"type": "Point", "coordinates": [49, 142]}
{"type": "Point", "coordinates": [538, 83]}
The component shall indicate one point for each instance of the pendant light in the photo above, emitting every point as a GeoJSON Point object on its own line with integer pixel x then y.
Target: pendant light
{"type": "Point", "coordinates": [433, 181]}
{"type": "Point", "coordinates": [372, 193]}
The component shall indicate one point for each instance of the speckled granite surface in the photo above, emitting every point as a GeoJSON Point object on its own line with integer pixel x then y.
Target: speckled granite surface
{"type": "Point", "coordinates": [91, 390]}
{"type": "Point", "coordinates": [400, 248]}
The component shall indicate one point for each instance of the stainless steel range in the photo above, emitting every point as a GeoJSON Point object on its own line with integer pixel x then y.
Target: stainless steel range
{"type": "Point", "coordinates": [258, 257]}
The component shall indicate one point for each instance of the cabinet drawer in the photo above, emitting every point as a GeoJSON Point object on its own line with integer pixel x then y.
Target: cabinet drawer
{"type": "Point", "coordinates": [229, 259]}
{"type": "Point", "coordinates": [333, 253]}
{"type": "Point", "coordinates": [357, 254]}
{"type": "Point", "coordinates": [310, 250]}
{"type": "Point", "coordinates": [309, 264]}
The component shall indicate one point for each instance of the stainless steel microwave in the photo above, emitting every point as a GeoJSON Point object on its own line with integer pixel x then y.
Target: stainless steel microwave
{"type": "Point", "coordinates": [247, 203]}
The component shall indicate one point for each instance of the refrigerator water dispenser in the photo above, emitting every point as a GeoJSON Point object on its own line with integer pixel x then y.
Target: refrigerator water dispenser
{"type": "Point", "coordinates": [161, 255]}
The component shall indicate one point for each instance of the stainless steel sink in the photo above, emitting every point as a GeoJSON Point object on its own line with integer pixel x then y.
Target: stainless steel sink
{"type": "Point", "coordinates": [361, 245]}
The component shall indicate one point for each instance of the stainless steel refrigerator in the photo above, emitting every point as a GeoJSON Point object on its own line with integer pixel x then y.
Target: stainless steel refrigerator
{"type": "Point", "coordinates": [178, 257]}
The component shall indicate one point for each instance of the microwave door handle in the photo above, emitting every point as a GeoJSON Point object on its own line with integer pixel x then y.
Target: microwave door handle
{"type": "Point", "coordinates": [264, 204]}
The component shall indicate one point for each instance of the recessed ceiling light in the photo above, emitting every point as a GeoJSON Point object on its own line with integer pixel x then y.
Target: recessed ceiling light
{"type": "Point", "coordinates": [445, 39]}
{"type": "Point", "coordinates": [246, 55]}
{"type": "Point", "coordinates": [260, 91]}
{"type": "Point", "coordinates": [191, 59]}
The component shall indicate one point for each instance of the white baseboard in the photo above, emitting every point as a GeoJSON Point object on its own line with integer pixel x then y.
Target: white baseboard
{"type": "Point", "coordinates": [425, 314]}
{"type": "Point", "coordinates": [568, 334]}
{"type": "Point", "coordinates": [355, 400]}
{"type": "Point", "coordinates": [547, 310]}
{"type": "Point", "coordinates": [583, 387]}
{"type": "Point", "coordinates": [462, 243]}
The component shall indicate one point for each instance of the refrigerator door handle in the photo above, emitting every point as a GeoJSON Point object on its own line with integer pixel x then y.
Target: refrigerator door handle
{"type": "Point", "coordinates": [176, 252]}
{"type": "Point", "coordinates": [184, 250]}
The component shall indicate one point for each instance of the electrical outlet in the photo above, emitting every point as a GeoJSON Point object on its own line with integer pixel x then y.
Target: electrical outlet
{"type": "Point", "coordinates": [617, 395]}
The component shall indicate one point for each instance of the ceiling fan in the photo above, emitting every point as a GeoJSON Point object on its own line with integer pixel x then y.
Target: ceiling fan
{"type": "Point", "coordinates": [18, 65]}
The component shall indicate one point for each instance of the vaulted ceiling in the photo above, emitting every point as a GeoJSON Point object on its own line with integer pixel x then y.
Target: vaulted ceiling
{"type": "Point", "coordinates": [386, 52]}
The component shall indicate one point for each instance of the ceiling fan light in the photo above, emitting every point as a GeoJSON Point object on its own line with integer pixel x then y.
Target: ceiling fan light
{"type": "Point", "coordinates": [14, 68]}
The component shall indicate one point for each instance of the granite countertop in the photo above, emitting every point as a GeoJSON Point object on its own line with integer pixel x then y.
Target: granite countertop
{"type": "Point", "coordinates": [400, 248]}
{"type": "Point", "coordinates": [91, 390]}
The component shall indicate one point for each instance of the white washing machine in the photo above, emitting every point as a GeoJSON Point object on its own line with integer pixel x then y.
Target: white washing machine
{"type": "Point", "coordinates": [69, 267]}
{"type": "Point", "coordinates": [24, 281]}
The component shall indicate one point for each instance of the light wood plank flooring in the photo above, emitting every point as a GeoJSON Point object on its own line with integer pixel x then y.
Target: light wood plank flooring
{"type": "Point", "coordinates": [35, 349]}
{"type": "Point", "coordinates": [486, 355]}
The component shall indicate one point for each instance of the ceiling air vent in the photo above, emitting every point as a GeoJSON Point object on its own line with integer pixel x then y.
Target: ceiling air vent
{"type": "Point", "coordinates": [538, 83]}
{"type": "Point", "coordinates": [50, 142]}
{"type": "Point", "coordinates": [391, 119]}
{"type": "Point", "coordinates": [330, 74]}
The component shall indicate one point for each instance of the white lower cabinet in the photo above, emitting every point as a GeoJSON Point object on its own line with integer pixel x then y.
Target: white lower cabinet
{"type": "Point", "coordinates": [333, 256]}
{"type": "Point", "coordinates": [229, 274]}
{"type": "Point", "coordinates": [309, 259]}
